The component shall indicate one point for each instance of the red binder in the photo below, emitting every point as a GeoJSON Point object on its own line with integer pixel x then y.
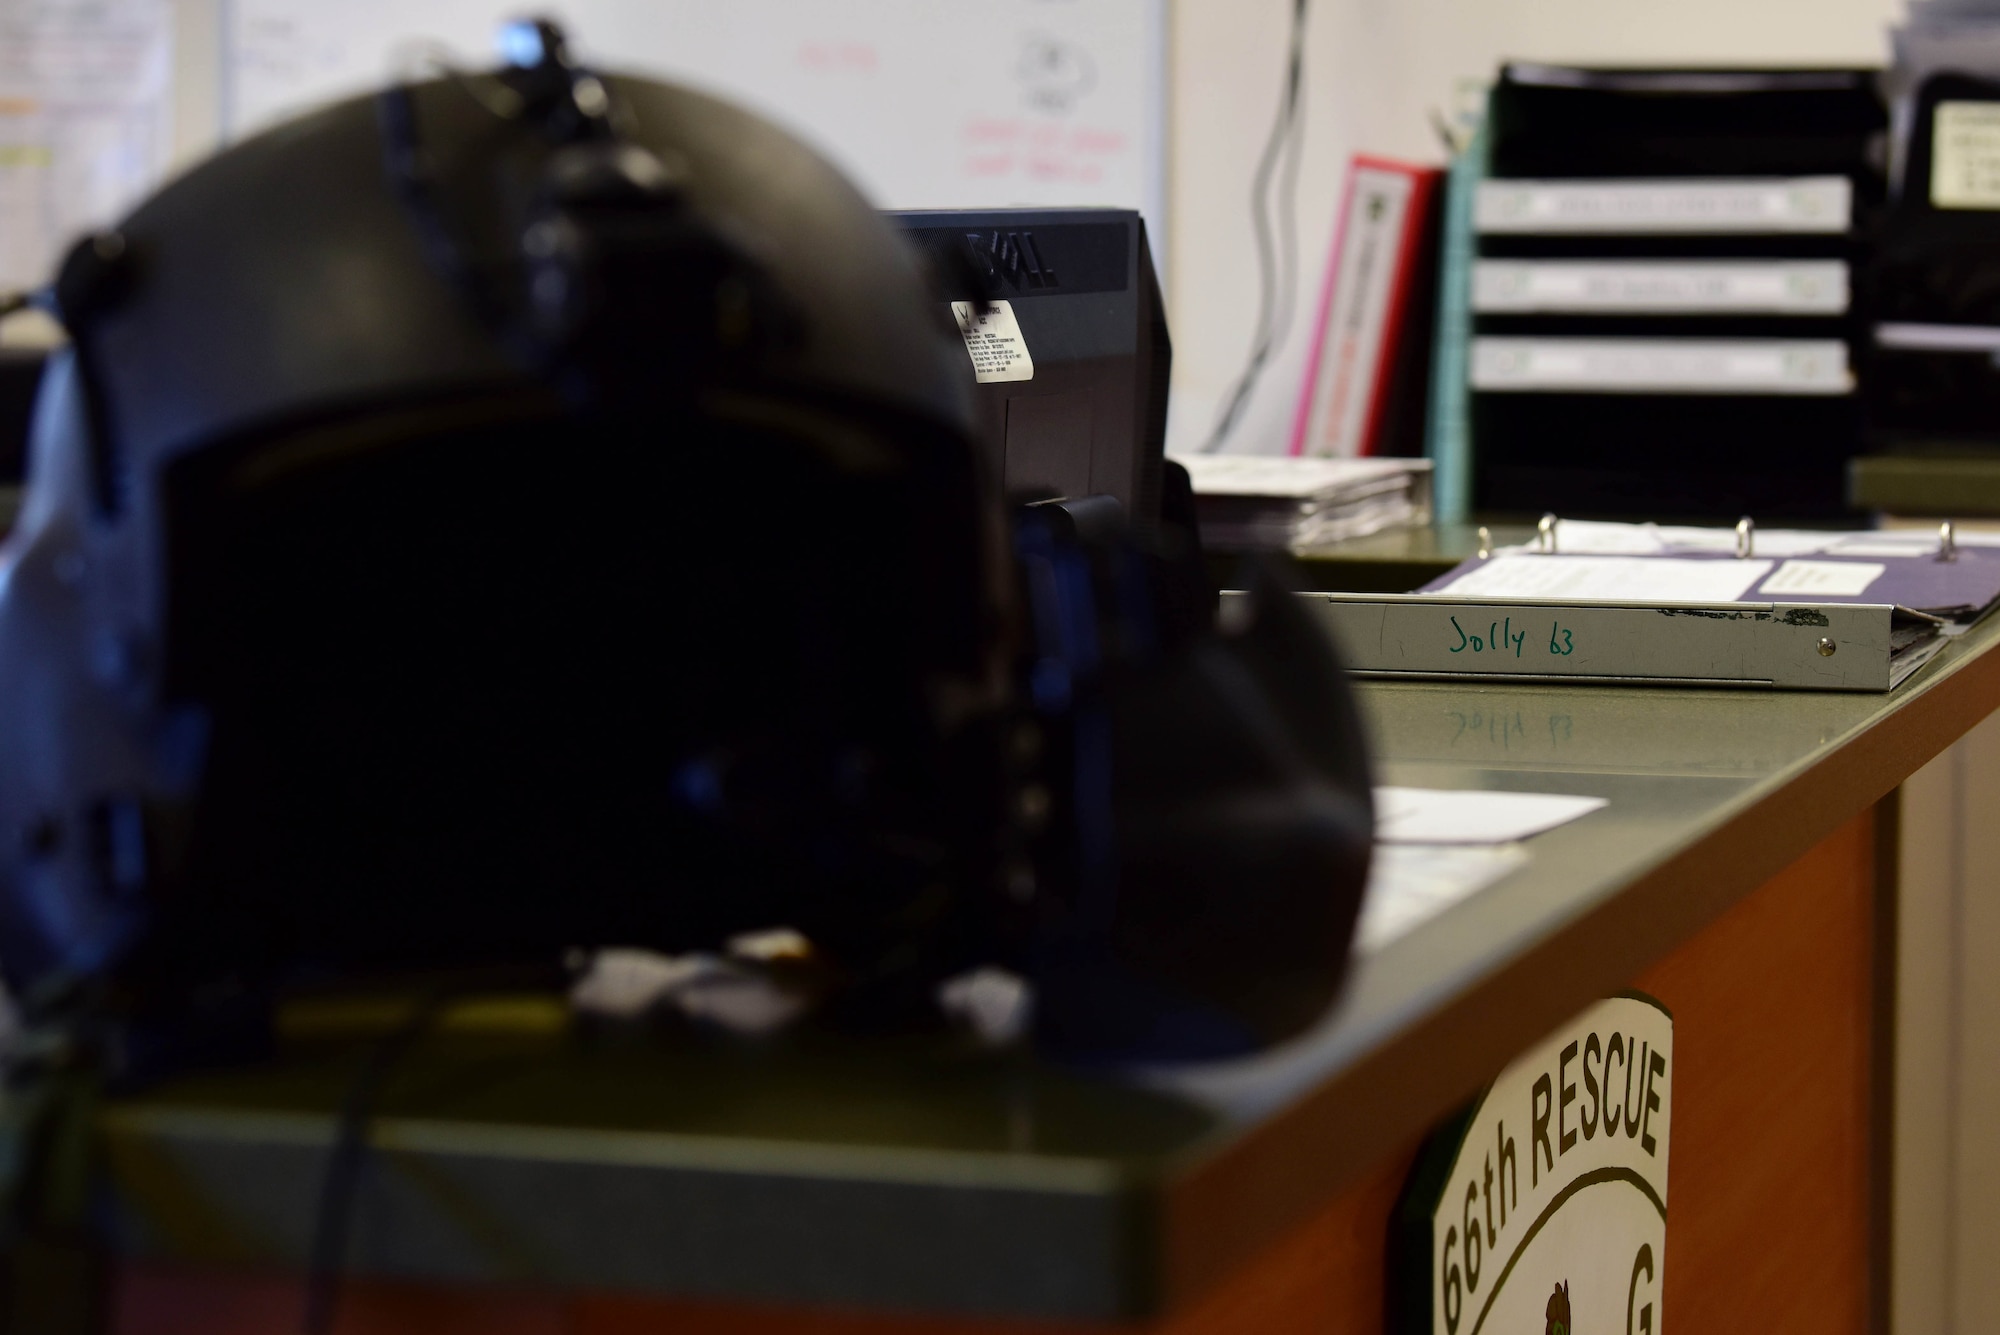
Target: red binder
{"type": "Point", "coordinates": [1362, 348]}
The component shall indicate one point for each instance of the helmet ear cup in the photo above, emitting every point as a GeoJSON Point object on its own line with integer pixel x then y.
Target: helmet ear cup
{"type": "Point", "coordinates": [1217, 811]}
{"type": "Point", "coordinates": [1241, 862]}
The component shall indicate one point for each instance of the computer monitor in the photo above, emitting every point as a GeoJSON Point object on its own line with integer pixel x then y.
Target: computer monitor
{"type": "Point", "coordinates": [1073, 393]}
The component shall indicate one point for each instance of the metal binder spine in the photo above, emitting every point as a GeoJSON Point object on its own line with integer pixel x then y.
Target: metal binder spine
{"type": "Point", "coordinates": [1830, 647]}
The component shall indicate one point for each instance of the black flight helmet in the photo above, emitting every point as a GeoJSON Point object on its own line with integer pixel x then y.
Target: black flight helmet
{"type": "Point", "coordinates": [538, 509]}
{"type": "Point", "coordinates": [514, 509]}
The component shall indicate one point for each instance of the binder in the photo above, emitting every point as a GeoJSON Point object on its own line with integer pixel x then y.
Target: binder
{"type": "Point", "coordinates": [1448, 428]}
{"type": "Point", "coordinates": [1362, 346]}
{"type": "Point", "coordinates": [1641, 604]}
{"type": "Point", "coordinates": [1755, 644]}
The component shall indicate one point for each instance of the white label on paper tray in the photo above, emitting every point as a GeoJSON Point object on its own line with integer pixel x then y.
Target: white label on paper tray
{"type": "Point", "coordinates": [1821, 204]}
{"type": "Point", "coordinates": [1732, 287]}
{"type": "Point", "coordinates": [1827, 579]}
{"type": "Point", "coordinates": [1965, 155]}
{"type": "Point", "coordinates": [1906, 337]}
{"type": "Point", "coordinates": [994, 342]}
{"type": "Point", "coordinates": [1661, 366]}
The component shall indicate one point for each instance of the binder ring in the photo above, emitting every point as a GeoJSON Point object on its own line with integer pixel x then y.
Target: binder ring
{"type": "Point", "coordinates": [1947, 542]}
{"type": "Point", "coordinates": [1545, 534]}
{"type": "Point", "coordinates": [1746, 538]}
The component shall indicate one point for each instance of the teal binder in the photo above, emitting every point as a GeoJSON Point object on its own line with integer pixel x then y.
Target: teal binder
{"type": "Point", "coordinates": [1450, 437]}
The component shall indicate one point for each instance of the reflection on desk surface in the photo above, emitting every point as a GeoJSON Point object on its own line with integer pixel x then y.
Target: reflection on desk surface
{"type": "Point", "coordinates": [1606, 728]}
{"type": "Point", "coordinates": [689, 1094]}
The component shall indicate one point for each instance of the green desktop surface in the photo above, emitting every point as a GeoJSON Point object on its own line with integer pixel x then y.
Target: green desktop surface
{"type": "Point", "coordinates": [921, 1173]}
{"type": "Point", "coordinates": [1945, 485]}
{"type": "Point", "coordinates": [1393, 562]}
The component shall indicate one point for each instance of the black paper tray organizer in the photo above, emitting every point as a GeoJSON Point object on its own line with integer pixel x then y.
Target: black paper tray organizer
{"type": "Point", "coordinates": [1664, 295]}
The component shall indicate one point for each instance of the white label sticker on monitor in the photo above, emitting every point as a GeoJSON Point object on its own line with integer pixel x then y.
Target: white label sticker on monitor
{"type": "Point", "coordinates": [994, 342]}
{"type": "Point", "coordinates": [1965, 156]}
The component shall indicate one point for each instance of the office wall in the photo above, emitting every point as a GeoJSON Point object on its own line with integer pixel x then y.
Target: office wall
{"type": "Point", "coordinates": [1376, 69]}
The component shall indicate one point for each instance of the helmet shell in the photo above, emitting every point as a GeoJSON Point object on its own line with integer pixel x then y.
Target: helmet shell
{"type": "Point", "coordinates": [381, 599]}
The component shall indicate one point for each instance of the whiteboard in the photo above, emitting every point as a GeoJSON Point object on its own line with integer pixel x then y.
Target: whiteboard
{"type": "Point", "coordinates": [925, 103]}
{"type": "Point", "coordinates": [86, 93]}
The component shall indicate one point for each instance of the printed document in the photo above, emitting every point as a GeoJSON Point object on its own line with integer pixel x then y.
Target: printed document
{"type": "Point", "coordinates": [85, 121]}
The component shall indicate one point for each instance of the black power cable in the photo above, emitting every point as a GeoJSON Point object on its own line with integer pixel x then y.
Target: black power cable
{"type": "Point", "coordinates": [1277, 247]}
{"type": "Point", "coordinates": [342, 1179]}
{"type": "Point", "coordinates": [333, 1217]}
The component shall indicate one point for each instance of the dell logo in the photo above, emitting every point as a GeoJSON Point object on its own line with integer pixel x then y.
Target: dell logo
{"type": "Point", "coordinates": [1012, 256]}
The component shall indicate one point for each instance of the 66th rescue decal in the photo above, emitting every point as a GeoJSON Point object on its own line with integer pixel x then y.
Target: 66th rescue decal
{"type": "Point", "coordinates": [1544, 1208]}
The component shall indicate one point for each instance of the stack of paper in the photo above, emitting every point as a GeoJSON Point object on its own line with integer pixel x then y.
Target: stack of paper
{"type": "Point", "coordinates": [1437, 847]}
{"type": "Point", "coordinates": [1263, 503]}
